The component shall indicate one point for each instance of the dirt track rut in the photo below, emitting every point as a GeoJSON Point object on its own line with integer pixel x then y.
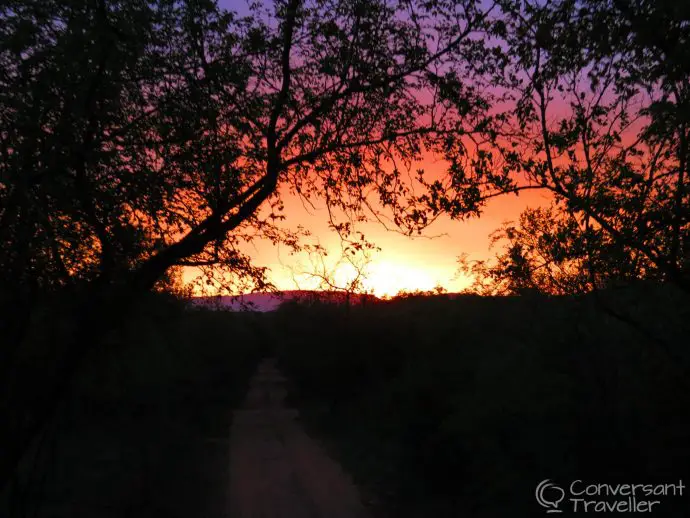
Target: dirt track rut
{"type": "Point", "coordinates": [276, 469]}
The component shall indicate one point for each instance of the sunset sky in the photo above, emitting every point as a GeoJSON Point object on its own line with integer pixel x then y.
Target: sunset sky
{"type": "Point", "coordinates": [403, 263]}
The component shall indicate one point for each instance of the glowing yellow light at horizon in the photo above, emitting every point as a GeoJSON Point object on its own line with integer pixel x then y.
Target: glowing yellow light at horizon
{"type": "Point", "coordinates": [387, 278]}
{"type": "Point", "coordinates": [383, 278]}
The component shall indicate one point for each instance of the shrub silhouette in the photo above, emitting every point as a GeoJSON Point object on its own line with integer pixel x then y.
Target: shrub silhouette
{"type": "Point", "coordinates": [463, 405]}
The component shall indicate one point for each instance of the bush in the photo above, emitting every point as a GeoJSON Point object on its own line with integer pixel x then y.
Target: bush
{"type": "Point", "coordinates": [144, 431]}
{"type": "Point", "coordinates": [447, 406]}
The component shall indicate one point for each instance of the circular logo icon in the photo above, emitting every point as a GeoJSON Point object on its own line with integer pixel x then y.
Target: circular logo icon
{"type": "Point", "coordinates": [549, 495]}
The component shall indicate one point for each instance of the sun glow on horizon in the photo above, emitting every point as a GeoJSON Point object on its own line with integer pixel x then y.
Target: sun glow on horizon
{"type": "Point", "coordinates": [401, 264]}
{"type": "Point", "coordinates": [386, 279]}
{"type": "Point", "coordinates": [382, 278]}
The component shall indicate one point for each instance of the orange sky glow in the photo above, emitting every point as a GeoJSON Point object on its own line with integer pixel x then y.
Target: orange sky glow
{"type": "Point", "coordinates": [403, 263]}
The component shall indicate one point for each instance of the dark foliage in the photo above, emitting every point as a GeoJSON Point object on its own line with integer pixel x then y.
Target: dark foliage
{"type": "Point", "coordinates": [140, 137]}
{"type": "Point", "coordinates": [143, 430]}
{"type": "Point", "coordinates": [460, 407]}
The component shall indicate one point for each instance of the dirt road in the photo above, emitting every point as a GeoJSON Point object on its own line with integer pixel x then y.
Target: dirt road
{"type": "Point", "coordinates": [276, 469]}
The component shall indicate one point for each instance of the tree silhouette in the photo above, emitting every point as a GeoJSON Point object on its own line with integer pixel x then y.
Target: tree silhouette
{"type": "Point", "coordinates": [141, 136]}
{"type": "Point", "coordinates": [597, 114]}
{"type": "Point", "coordinates": [346, 275]}
{"type": "Point", "coordinates": [137, 138]}
{"type": "Point", "coordinates": [547, 251]}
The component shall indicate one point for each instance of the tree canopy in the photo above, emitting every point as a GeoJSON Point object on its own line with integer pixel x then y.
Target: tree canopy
{"type": "Point", "coordinates": [141, 136]}
{"type": "Point", "coordinates": [597, 114]}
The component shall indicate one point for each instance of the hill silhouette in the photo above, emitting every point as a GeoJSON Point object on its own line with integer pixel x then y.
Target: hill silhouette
{"type": "Point", "coordinates": [270, 301]}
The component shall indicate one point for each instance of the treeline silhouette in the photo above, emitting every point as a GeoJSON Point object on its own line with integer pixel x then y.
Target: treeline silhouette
{"type": "Point", "coordinates": [143, 429]}
{"type": "Point", "coordinates": [445, 406]}
{"type": "Point", "coordinates": [139, 138]}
